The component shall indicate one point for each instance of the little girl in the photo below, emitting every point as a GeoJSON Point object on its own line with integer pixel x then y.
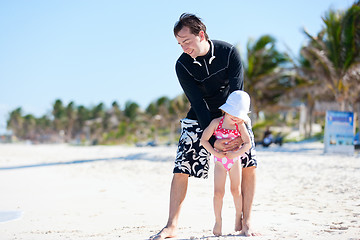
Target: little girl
{"type": "Point", "coordinates": [230, 125]}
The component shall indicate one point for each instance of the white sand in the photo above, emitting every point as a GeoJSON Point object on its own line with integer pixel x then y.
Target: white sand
{"type": "Point", "coordinates": [123, 194]}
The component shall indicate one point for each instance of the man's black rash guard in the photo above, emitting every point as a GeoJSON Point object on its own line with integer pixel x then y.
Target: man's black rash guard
{"type": "Point", "coordinates": [208, 80]}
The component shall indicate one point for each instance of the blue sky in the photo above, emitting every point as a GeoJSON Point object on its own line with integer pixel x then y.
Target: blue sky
{"type": "Point", "coordinates": [90, 51]}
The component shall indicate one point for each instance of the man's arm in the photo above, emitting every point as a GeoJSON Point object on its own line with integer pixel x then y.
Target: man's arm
{"type": "Point", "coordinates": [193, 93]}
{"type": "Point", "coordinates": [236, 71]}
{"type": "Point", "coordinates": [236, 82]}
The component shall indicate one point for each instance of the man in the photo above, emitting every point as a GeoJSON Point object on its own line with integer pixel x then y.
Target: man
{"type": "Point", "coordinates": [208, 71]}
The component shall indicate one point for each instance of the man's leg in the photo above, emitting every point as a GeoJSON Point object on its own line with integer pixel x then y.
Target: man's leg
{"type": "Point", "coordinates": [248, 191]}
{"type": "Point", "coordinates": [177, 195]}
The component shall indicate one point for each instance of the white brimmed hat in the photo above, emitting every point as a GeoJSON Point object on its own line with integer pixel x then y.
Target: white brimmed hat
{"type": "Point", "coordinates": [237, 105]}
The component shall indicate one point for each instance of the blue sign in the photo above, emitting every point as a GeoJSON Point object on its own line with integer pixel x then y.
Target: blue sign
{"type": "Point", "coordinates": [339, 132]}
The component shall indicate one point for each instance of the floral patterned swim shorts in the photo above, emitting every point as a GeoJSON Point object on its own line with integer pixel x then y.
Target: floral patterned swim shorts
{"type": "Point", "coordinates": [191, 157]}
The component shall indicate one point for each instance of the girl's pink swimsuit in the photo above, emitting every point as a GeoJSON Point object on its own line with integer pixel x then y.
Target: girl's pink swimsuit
{"type": "Point", "coordinates": [221, 133]}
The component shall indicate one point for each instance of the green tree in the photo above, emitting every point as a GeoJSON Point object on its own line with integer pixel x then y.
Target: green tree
{"type": "Point", "coordinates": [81, 117]}
{"type": "Point", "coordinates": [70, 120]}
{"type": "Point", "coordinates": [265, 77]}
{"type": "Point", "coordinates": [59, 115]}
{"type": "Point", "coordinates": [98, 111]}
{"type": "Point", "coordinates": [179, 106]}
{"type": "Point", "coordinates": [131, 110]}
{"type": "Point", "coordinates": [152, 109]}
{"type": "Point", "coordinates": [309, 89]}
{"type": "Point", "coordinates": [117, 111]}
{"type": "Point", "coordinates": [29, 127]}
{"type": "Point", "coordinates": [335, 55]}
{"type": "Point", "coordinates": [15, 122]}
{"type": "Point", "coordinates": [44, 128]}
{"type": "Point", "coordinates": [96, 122]}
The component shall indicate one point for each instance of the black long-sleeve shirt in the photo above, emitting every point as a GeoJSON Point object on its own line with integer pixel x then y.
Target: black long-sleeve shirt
{"type": "Point", "coordinates": [208, 81]}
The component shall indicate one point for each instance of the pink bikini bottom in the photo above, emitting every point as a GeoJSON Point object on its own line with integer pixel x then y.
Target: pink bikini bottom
{"type": "Point", "coordinates": [226, 162]}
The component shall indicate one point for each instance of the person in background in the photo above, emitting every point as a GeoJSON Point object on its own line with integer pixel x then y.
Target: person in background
{"type": "Point", "coordinates": [268, 137]}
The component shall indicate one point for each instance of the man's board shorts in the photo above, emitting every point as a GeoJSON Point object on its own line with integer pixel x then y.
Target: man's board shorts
{"type": "Point", "coordinates": [193, 159]}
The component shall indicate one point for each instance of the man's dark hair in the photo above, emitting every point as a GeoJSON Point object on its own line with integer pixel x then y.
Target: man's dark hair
{"type": "Point", "coordinates": [192, 22]}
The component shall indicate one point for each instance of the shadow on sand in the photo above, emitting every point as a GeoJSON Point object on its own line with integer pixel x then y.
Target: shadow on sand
{"type": "Point", "coordinates": [138, 156]}
{"type": "Point", "coordinates": [6, 216]}
{"type": "Point", "coordinates": [210, 237]}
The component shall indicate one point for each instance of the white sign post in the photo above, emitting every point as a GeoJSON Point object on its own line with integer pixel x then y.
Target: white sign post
{"type": "Point", "coordinates": [339, 132]}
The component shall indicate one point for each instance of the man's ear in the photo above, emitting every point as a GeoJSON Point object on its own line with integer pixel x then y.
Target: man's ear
{"type": "Point", "coordinates": [202, 35]}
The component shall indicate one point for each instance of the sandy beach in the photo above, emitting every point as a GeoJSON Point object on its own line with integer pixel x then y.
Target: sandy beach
{"type": "Point", "coordinates": [117, 192]}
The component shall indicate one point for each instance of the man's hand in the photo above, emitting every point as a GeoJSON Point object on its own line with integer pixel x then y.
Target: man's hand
{"type": "Point", "coordinates": [225, 145]}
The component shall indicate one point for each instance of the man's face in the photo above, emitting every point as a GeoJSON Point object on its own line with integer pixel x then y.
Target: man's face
{"type": "Point", "coordinates": [190, 43]}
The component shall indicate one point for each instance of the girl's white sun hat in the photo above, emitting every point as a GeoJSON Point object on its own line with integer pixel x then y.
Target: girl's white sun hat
{"type": "Point", "coordinates": [237, 105]}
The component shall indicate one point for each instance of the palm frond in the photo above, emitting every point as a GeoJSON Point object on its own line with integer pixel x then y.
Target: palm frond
{"type": "Point", "coordinates": [351, 35]}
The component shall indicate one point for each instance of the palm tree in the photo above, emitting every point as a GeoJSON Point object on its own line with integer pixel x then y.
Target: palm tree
{"type": "Point", "coordinates": [59, 116]}
{"type": "Point", "coordinates": [117, 111]}
{"type": "Point", "coordinates": [70, 120]}
{"type": "Point", "coordinates": [129, 128]}
{"type": "Point", "coordinates": [335, 55]}
{"type": "Point", "coordinates": [308, 88]}
{"type": "Point", "coordinates": [159, 116]}
{"type": "Point", "coordinates": [96, 123]}
{"type": "Point", "coordinates": [352, 76]}
{"type": "Point", "coordinates": [131, 110]}
{"type": "Point", "coordinates": [15, 122]}
{"type": "Point", "coordinates": [79, 124]}
{"type": "Point", "coordinates": [264, 78]}
{"type": "Point", "coordinates": [163, 106]}
{"type": "Point", "coordinates": [178, 108]}
{"type": "Point", "coordinates": [29, 127]}
{"type": "Point", "coordinates": [44, 128]}
{"type": "Point", "coordinates": [332, 69]}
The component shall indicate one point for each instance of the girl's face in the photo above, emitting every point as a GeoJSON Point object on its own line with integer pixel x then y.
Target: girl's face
{"type": "Point", "coordinates": [235, 119]}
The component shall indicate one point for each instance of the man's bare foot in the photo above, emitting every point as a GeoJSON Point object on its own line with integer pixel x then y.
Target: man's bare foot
{"type": "Point", "coordinates": [166, 232]}
{"type": "Point", "coordinates": [217, 229]}
{"type": "Point", "coordinates": [238, 225]}
{"type": "Point", "coordinates": [248, 231]}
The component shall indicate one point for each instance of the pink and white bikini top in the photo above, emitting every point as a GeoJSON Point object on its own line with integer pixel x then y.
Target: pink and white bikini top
{"type": "Point", "coordinates": [221, 132]}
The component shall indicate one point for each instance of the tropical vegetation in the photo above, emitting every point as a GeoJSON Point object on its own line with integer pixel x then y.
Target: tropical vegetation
{"type": "Point", "coordinates": [327, 70]}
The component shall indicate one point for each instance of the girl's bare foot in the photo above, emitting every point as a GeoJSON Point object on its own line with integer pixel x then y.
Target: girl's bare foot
{"type": "Point", "coordinates": [217, 229]}
{"type": "Point", "coordinates": [166, 232]}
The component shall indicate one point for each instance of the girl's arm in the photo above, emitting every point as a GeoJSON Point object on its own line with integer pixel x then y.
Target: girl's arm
{"type": "Point", "coordinates": [208, 132]}
{"type": "Point", "coordinates": [246, 143]}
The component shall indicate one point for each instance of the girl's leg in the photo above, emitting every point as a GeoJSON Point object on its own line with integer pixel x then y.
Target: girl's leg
{"type": "Point", "coordinates": [235, 186]}
{"type": "Point", "coordinates": [219, 192]}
